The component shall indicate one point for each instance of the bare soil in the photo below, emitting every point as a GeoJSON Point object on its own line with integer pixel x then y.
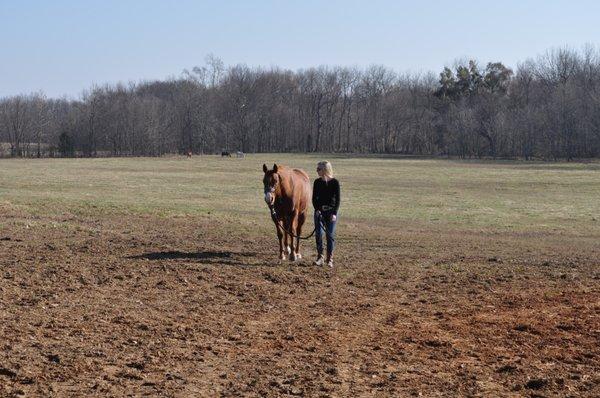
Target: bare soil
{"type": "Point", "coordinates": [176, 307]}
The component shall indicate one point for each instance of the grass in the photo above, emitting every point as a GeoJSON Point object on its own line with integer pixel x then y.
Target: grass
{"type": "Point", "coordinates": [488, 196]}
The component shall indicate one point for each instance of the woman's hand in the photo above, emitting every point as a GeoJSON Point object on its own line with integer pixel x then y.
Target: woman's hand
{"type": "Point", "coordinates": [333, 218]}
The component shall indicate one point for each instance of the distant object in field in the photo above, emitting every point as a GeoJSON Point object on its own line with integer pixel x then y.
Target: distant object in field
{"type": "Point", "coordinates": [225, 153]}
{"type": "Point", "coordinates": [189, 154]}
{"type": "Point", "coordinates": [240, 154]}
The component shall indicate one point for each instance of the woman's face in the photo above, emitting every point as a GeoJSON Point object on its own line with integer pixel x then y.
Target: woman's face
{"type": "Point", "coordinates": [320, 171]}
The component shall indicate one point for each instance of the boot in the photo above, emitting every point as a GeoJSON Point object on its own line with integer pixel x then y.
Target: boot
{"type": "Point", "coordinates": [319, 261]}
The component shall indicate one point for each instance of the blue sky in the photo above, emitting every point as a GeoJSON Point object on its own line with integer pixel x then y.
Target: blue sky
{"type": "Point", "coordinates": [64, 47]}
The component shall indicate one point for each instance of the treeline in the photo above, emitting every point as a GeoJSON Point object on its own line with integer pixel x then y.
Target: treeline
{"type": "Point", "coordinates": [548, 108]}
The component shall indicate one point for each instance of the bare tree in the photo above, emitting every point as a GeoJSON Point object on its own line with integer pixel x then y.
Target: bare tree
{"type": "Point", "coordinates": [548, 108]}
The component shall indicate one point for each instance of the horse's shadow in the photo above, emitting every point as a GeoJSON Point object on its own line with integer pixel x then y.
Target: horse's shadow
{"type": "Point", "coordinates": [205, 257]}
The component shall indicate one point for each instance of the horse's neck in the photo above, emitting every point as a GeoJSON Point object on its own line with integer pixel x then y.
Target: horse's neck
{"type": "Point", "coordinates": [285, 185]}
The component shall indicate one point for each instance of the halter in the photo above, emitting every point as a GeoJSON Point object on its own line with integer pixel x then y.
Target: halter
{"type": "Point", "coordinates": [271, 190]}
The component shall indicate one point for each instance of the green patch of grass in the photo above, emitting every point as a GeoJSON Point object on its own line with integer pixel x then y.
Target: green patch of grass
{"type": "Point", "coordinates": [510, 196]}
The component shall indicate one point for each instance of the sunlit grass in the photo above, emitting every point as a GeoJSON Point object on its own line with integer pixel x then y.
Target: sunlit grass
{"type": "Point", "coordinates": [512, 196]}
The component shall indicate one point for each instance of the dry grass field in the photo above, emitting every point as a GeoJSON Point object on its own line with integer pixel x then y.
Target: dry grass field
{"type": "Point", "coordinates": [159, 277]}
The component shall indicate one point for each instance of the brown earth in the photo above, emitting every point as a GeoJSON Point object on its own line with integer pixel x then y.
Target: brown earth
{"type": "Point", "coordinates": [145, 306]}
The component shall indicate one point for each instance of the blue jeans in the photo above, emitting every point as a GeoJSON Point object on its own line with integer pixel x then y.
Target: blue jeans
{"type": "Point", "coordinates": [325, 219]}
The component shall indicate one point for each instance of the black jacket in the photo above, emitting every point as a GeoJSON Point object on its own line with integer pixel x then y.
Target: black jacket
{"type": "Point", "coordinates": [326, 194]}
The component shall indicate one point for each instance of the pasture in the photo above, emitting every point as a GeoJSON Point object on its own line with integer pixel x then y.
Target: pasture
{"type": "Point", "coordinates": [160, 277]}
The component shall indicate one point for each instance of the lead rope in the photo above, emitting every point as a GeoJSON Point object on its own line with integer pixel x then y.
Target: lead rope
{"type": "Point", "coordinates": [277, 222]}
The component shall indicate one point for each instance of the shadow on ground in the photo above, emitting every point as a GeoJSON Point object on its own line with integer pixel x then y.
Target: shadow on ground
{"type": "Point", "coordinates": [207, 257]}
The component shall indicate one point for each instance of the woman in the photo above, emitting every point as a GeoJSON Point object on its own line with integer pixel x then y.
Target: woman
{"type": "Point", "coordinates": [326, 201]}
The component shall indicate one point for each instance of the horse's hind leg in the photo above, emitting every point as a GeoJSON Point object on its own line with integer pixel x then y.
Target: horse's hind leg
{"type": "Point", "coordinates": [301, 219]}
{"type": "Point", "coordinates": [293, 230]}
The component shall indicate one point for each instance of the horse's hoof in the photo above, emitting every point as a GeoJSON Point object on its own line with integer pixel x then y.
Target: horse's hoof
{"type": "Point", "coordinates": [282, 256]}
{"type": "Point", "coordinates": [298, 256]}
{"type": "Point", "coordinates": [293, 257]}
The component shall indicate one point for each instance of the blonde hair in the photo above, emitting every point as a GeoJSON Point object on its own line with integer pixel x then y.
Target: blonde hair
{"type": "Point", "coordinates": [326, 167]}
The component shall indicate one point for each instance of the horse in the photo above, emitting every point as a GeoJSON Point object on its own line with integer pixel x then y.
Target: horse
{"type": "Point", "coordinates": [225, 154]}
{"type": "Point", "coordinates": [288, 193]}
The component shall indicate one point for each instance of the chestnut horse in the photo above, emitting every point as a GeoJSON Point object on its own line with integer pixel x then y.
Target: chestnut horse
{"type": "Point", "coordinates": [288, 193]}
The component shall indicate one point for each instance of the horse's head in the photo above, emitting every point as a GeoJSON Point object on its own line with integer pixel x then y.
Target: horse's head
{"type": "Point", "coordinates": [272, 184]}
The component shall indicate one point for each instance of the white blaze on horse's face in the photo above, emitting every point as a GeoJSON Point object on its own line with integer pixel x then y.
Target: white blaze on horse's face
{"type": "Point", "coordinates": [270, 183]}
{"type": "Point", "coordinates": [269, 198]}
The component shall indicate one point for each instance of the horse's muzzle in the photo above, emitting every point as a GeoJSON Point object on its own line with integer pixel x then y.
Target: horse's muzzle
{"type": "Point", "coordinates": [269, 198]}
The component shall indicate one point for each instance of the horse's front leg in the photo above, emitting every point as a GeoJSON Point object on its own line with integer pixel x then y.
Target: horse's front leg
{"type": "Point", "coordinates": [280, 238]}
{"type": "Point", "coordinates": [288, 238]}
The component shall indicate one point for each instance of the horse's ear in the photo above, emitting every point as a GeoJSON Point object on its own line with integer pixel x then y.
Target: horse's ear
{"type": "Point", "coordinates": [275, 168]}
{"type": "Point", "coordinates": [265, 168]}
